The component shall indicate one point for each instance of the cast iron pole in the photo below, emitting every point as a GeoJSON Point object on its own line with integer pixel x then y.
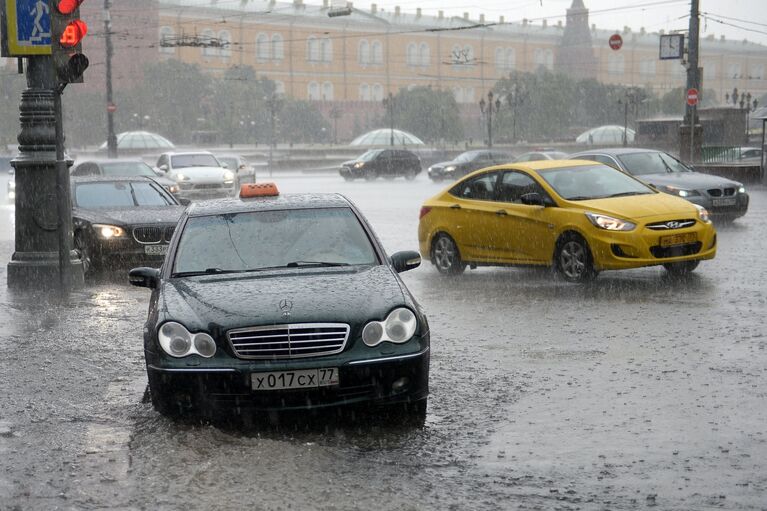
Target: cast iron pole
{"type": "Point", "coordinates": [111, 137]}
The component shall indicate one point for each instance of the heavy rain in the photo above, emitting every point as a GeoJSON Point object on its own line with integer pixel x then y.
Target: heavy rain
{"type": "Point", "coordinates": [578, 334]}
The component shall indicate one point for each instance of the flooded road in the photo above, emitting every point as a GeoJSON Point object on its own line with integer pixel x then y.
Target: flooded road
{"type": "Point", "coordinates": [634, 391]}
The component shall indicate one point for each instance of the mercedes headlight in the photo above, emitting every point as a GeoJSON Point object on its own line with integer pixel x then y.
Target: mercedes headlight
{"type": "Point", "coordinates": [609, 223]}
{"type": "Point", "coordinates": [177, 341]}
{"type": "Point", "coordinates": [228, 177]}
{"type": "Point", "coordinates": [702, 213]}
{"type": "Point", "coordinates": [398, 327]}
{"type": "Point", "coordinates": [359, 164]}
{"type": "Point", "coordinates": [109, 231]}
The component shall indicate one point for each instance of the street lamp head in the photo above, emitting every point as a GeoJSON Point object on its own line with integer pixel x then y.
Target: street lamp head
{"type": "Point", "coordinates": [497, 104]}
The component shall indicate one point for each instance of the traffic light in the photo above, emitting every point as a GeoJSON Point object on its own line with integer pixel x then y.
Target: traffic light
{"type": "Point", "coordinates": [67, 33]}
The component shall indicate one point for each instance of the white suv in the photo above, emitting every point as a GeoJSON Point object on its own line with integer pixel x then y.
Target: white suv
{"type": "Point", "coordinates": [199, 175]}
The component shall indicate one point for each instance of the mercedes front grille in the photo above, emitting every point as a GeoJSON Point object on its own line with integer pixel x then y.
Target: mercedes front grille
{"type": "Point", "coordinates": [289, 341]}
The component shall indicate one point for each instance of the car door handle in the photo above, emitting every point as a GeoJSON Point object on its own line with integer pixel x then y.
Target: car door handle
{"type": "Point", "coordinates": [501, 212]}
{"type": "Point", "coordinates": [455, 206]}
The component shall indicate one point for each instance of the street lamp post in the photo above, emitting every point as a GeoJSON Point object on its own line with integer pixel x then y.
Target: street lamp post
{"type": "Point", "coordinates": [488, 108]}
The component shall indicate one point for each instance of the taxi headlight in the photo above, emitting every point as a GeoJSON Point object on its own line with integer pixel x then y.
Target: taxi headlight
{"type": "Point", "coordinates": [109, 231]}
{"type": "Point", "coordinates": [609, 223]}
{"type": "Point", "coordinates": [178, 342]}
{"type": "Point", "coordinates": [702, 213]}
{"type": "Point", "coordinates": [359, 164]}
{"type": "Point", "coordinates": [398, 327]}
{"type": "Point", "coordinates": [228, 176]}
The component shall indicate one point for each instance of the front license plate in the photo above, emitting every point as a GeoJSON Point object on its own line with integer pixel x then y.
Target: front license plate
{"type": "Point", "coordinates": [729, 201]}
{"type": "Point", "coordinates": [678, 239]}
{"type": "Point", "coordinates": [301, 379]}
{"type": "Point", "coordinates": [156, 249]}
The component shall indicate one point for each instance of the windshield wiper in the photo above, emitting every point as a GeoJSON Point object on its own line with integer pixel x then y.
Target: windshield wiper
{"type": "Point", "coordinates": [626, 194]}
{"type": "Point", "coordinates": [297, 264]}
{"type": "Point", "coordinates": [206, 271]}
{"type": "Point", "coordinates": [580, 197]}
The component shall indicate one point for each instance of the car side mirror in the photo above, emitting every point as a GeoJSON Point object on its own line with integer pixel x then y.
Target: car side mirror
{"type": "Point", "coordinates": [184, 201]}
{"type": "Point", "coordinates": [163, 168]}
{"type": "Point", "coordinates": [406, 260]}
{"type": "Point", "coordinates": [225, 165]}
{"type": "Point", "coordinates": [532, 199]}
{"type": "Point", "coordinates": [144, 277]}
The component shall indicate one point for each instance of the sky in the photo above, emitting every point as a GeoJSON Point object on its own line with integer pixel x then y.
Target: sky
{"type": "Point", "coordinates": [745, 19]}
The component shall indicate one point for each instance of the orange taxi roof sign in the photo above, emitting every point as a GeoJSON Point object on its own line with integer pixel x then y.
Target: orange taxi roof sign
{"type": "Point", "coordinates": [248, 190]}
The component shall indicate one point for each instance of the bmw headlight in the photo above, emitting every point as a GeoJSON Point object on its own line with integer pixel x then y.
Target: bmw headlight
{"type": "Point", "coordinates": [742, 189]}
{"type": "Point", "coordinates": [109, 231]}
{"type": "Point", "coordinates": [359, 164]}
{"type": "Point", "coordinates": [398, 327]}
{"type": "Point", "coordinates": [228, 177]}
{"type": "Point", "coordinates": [450, 168]}
{"type": "Point", "coordinates": [177, 341]}
{"type": "Point", "coordinates": [609, 223]}
{"type": "Point", "coordinates": [702, 213]}
{"type": "Point", "coordinates": [673, 190]}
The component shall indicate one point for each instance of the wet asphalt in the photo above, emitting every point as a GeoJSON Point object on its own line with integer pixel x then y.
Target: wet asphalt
{"type": "Point", "coordinates": [636, 391]}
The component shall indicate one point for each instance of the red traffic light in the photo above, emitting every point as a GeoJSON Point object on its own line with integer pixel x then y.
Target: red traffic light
{"type": "Point", "coordinates": [67, 6]}
{"type": "Point", "coordinates": [73, 33]}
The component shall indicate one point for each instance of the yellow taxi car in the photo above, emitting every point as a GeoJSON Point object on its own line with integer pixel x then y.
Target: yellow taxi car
{"type": "Point", "coordinates": [578, 216]}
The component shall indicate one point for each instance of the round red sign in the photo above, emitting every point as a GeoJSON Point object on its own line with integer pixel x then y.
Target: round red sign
{"type": "Point", "coordinates": [616, 41]}
{"type": "Point", "coordinates": [111, 108]}
{"type": "Point", "coordinates": [692, 97]}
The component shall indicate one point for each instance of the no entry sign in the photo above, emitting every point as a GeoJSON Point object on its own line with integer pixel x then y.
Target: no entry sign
{"type": "Point", "coordinates": [616, 41]}
{"type": "Point", "coordinates": [111, 108]}
{"type": "Point", "coordinates": [692, 97]}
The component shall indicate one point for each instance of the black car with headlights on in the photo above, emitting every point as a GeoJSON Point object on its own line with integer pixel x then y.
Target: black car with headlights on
{"type": "Point", "coordinates": [122, 220]}
{"type": "Point", "coordinates": [386, 163]}
{"type": "Point", "coordinates": [282, 302]}
{"type": "Point", "coordinates": [467, 162]}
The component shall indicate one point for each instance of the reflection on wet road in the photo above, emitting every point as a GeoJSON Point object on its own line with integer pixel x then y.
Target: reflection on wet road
{"type": "Point", "coordinates": [635, 391]}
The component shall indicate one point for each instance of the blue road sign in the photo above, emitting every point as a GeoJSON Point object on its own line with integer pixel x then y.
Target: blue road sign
{"type": "Point", "coordinates": [28, 27]}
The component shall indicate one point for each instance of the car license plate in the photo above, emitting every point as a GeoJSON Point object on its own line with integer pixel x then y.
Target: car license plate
{"type": "Point", "coordinates": [155, 249]}
{"type": "Point", "coordinates": [678, 239]}
{"type": "Point", "coordinates": [299, 379]}
{"type": "Point", "coordinates": [729, 201]}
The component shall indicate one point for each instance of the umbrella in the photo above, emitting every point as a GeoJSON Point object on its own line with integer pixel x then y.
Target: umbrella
{"type": "Point", "coordinates": [141, 140]}
{"type": "Point", "coordinates": [383, 137]}
{"type": "Point", "coordinates": [605, 135]}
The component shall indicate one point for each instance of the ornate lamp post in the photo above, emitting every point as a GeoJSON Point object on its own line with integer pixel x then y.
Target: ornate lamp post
{"type": "Point", "coordinates": [488, 108]}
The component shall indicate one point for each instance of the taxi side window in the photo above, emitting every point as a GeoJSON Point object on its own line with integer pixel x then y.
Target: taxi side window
{"type": "Point", "coordinates": [516, 184]}
{"type": "Point", "coordinates": [479, 188]}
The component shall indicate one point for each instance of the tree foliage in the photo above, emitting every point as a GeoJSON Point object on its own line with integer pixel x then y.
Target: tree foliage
{"type": "Point", "coordinates": [431, 115]}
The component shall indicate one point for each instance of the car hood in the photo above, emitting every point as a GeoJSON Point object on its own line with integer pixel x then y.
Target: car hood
{"type": "Point", "coordinates": [131, 216]}
{"type": "Point", "coordinates": [687, 180]}
{"type": "Point", "coordinates": [444, 164]}
{"type": "Point", "coordinates": [349, 163]}
{"type": "Point", "coordinates": [200, 173]}
{"type": "Point", "coordinates": [641, 206]}
{"type": "Point", "coordinates": [217, 303]}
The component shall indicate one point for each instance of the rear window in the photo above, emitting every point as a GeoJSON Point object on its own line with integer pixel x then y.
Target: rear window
{"type": "Point", "coordinates": [127, 169]}
{"type": "Point", "coordinates": [108, 195]}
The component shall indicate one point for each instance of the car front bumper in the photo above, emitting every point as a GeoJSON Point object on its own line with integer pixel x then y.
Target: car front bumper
{"type": "Point", "coordinates": [716, 209]}
{"type": "Point", "coordinates": [374, 381]}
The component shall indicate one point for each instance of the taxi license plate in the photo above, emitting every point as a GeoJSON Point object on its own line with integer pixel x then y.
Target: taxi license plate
{"type": "Point", "coordinates": [678, 239]}
{"type": "Point", "coordinates": [300, 379]}
{"type": "Point", "coordinates": [729, 201]}
{"type": "Point", "coordinates": [156, 249]}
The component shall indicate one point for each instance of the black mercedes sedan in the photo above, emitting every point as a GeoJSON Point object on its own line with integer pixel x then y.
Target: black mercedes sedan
{"type": "Point", "coordinates": [282, 302]}
{"type": "Point", "coordinates": [122, 220]}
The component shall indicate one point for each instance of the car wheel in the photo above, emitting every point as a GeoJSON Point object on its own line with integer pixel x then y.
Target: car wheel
{"type": "Point", "coordinates": [446, 256]}
{"type": "Point", "coordinates": [411, 174]}
{"type": "Point", "coordinates": [83, 252]}
{"type": "Point", "coordinates": [573, 259]}
{"type": "Point", "coordinates": [371, 175]}
{"type": "Point", "coordinates": [682, 268]}
{"type": "Point", "coordinates": [347, 177]}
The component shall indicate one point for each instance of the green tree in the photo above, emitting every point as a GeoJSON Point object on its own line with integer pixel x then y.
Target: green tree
{"type": "Point", "coordinates": [430, 114]}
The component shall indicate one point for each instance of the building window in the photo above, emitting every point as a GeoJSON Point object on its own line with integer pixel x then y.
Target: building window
{"type": "Point", "coordinates": [314, 91]}
{"type": "Point", "coordinates": [262, 47]}
{"type": "Point", "coordinates": [363, 53]}
{"type": "Point", "coordinates": [378, 92]}
{"type": "Point", "coordinates": [327, 49]}
{"type": "Point", "coordinates": [166, 38]}
{"type": "Point", "coordinates": [225, 38]}
{"type": "Point", "coordinates": [411, 57]}
{"type": "Point", "coordinates": [647, 67]}
{"type": "Point", "coordinates": [312, 49]}
{"type": "Point", "coordinates": [709, 71]}
{"type": "Point", "coordinates": [377, 49]}
{"type": "Point", "coordinates": [278, 47]}
{"type": "Point", "coordinates": [505, 59]}
{"type": "Point", "coordinates": [327, 91]}
{"type": "Point", "coordinates": [757, 72]}
{"type": "Point", "coordinates": [207, 39]}
{"type": "Point", "coordinates": [458, 94]}
{"type": "Point", "coordinates": [548, 59]}
{"type": "Point", "coordinates": [364, 92]}
{"type": "Point", "coordinates": [279, 87]}
{"type": "Point", "coordinates": [424, 55]}
{"type": "Point", "coordinates": [615, 64]}
{"type": "Point", "coordinates": [733, 71]}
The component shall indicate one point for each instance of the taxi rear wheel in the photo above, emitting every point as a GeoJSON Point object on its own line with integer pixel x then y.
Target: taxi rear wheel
{"type": "Point", "coordinates": [681, 268]}
{"type": "Point", "coordinates": [446, 256]}
{"type": "Point", "coordinates": [573, 259]}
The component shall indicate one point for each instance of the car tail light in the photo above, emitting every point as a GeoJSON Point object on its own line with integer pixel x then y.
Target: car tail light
{"type": "Point", "coordinates": [424, 211]}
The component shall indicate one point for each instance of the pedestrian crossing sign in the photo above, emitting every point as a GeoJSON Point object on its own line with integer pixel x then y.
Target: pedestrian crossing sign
{"type": "Point", "coordinates": [26, 28]}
